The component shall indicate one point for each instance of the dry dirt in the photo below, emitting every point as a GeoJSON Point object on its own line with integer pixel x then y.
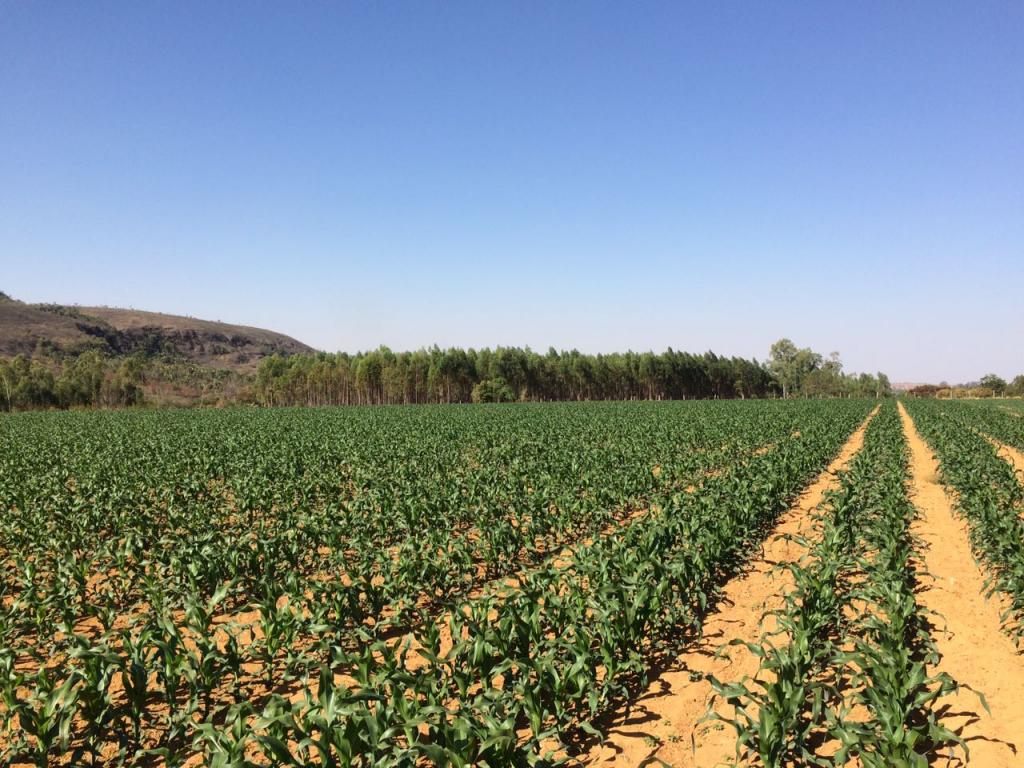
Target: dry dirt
{"type": "Point", "coordinates": [658, 727]}
{"type": "Point", "coordinates": [974, 649]}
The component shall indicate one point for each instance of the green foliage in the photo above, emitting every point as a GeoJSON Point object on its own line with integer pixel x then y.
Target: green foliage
{"type": "Point", "coordinates": [791, 366]}
{"type": "Point", "coordinates": [853, 635]}
{"type": "Point", "coordinates": [85, 380]}
{"type": "Point", "coordinates": [805, 372]}
{"type": "Point", "coordinates": [455, 375]}
{"type": "Point", "coordinates": [995, 383]}
{"type": "Point", "coordinates": [50, 379]}
{"type": "Point", "coordinates": [493, 391]}
{"type": "Point", "coordinates": [278, 586]}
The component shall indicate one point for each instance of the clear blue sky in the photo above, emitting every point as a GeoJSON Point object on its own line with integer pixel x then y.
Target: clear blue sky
{"type": "Point", "coordinates": [571, 174]}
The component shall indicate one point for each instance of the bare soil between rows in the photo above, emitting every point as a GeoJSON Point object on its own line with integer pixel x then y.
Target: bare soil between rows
{"type": "Point", "coordinates": [974, 650]}
{"type": "Point", "coordinates": [663, 726]}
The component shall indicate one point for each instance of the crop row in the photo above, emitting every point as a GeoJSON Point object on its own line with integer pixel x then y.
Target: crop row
{"type": "Point", "coordinates": [994, 418]}
{"type": "Point", "coordinates": [988, 495]}
{"type": "Point", "coordinates": [845, 674]}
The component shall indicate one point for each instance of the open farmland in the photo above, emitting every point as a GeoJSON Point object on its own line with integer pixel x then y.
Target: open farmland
{"type": "Point", "coordinates": [786, 582]}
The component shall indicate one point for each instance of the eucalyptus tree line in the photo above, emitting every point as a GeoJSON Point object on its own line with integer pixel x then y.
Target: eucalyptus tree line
{"type": "Point", "coordinates": [454, 375]}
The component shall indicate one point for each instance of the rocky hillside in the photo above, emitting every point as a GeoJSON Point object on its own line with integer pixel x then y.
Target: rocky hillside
{"type": "Point", "coordinates": [69, 330]}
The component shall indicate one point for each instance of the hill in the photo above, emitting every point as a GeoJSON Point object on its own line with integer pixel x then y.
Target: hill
{"type": "Point", "coordinates": [70, 330]}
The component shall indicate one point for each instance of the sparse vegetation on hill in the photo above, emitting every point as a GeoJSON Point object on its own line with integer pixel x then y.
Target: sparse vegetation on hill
{"type": "Point", "coordinates": [56, 356]}
{"type": "Point", "coordinates": [64, 331]}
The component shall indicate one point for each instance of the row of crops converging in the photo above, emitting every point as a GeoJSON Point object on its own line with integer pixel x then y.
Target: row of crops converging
{"type": "Point", "coordinates": [847, 674]}
{"type": "Point", "coordinates": [849, 671]}
{"type": "Point", "coordinates": [457, 585]}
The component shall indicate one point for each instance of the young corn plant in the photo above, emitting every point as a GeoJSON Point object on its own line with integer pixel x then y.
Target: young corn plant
{"type": "Point", "coordinates": [139, 655]}
{"type": "Point", "coordinates": [97, 664]}
{"type": "Point", "coordinates": [47, 714]}
{"type": "Point", "coordinates": [226, 745]}
{"type": "Point", "coordinates": [174, 667]}
{"type": "Point", "coordinates": [210, 661]}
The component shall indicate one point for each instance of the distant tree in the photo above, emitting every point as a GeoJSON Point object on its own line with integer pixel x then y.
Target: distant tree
{"type": "Point", "coordinates": [791, 366]}
{"type": "Point", "coordinates": [993, 382]}
{"type": "Point", "coordinates": [1016, 387]}
{"type": "Point", "coordinates": [834, 364]}
{"type": "Point", "coordinates": [824, 381]}
{"type": "Point", "coordinates": [494, 390]}
{"type": "Point", "coordinates": [883, 387]}
{"type": "Point", "coordinates": [81, 381]}
{"type": "Point", "coordinates": [806, 361]}
{"type": "Point", "coordinates": [7, 385]}
{"type": "Point", "coordinates": [782, 363]}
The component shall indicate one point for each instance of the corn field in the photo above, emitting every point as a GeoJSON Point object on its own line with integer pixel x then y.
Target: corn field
{"type": "Point", "coordinates": [473, 585]}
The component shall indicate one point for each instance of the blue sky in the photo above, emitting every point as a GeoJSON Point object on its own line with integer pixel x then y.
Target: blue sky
{"type": "Point", "coordinates": [591, 175]}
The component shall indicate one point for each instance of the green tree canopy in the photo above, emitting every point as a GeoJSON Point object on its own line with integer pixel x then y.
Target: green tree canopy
{"type": "Point", "coordinates": [993, 382]}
